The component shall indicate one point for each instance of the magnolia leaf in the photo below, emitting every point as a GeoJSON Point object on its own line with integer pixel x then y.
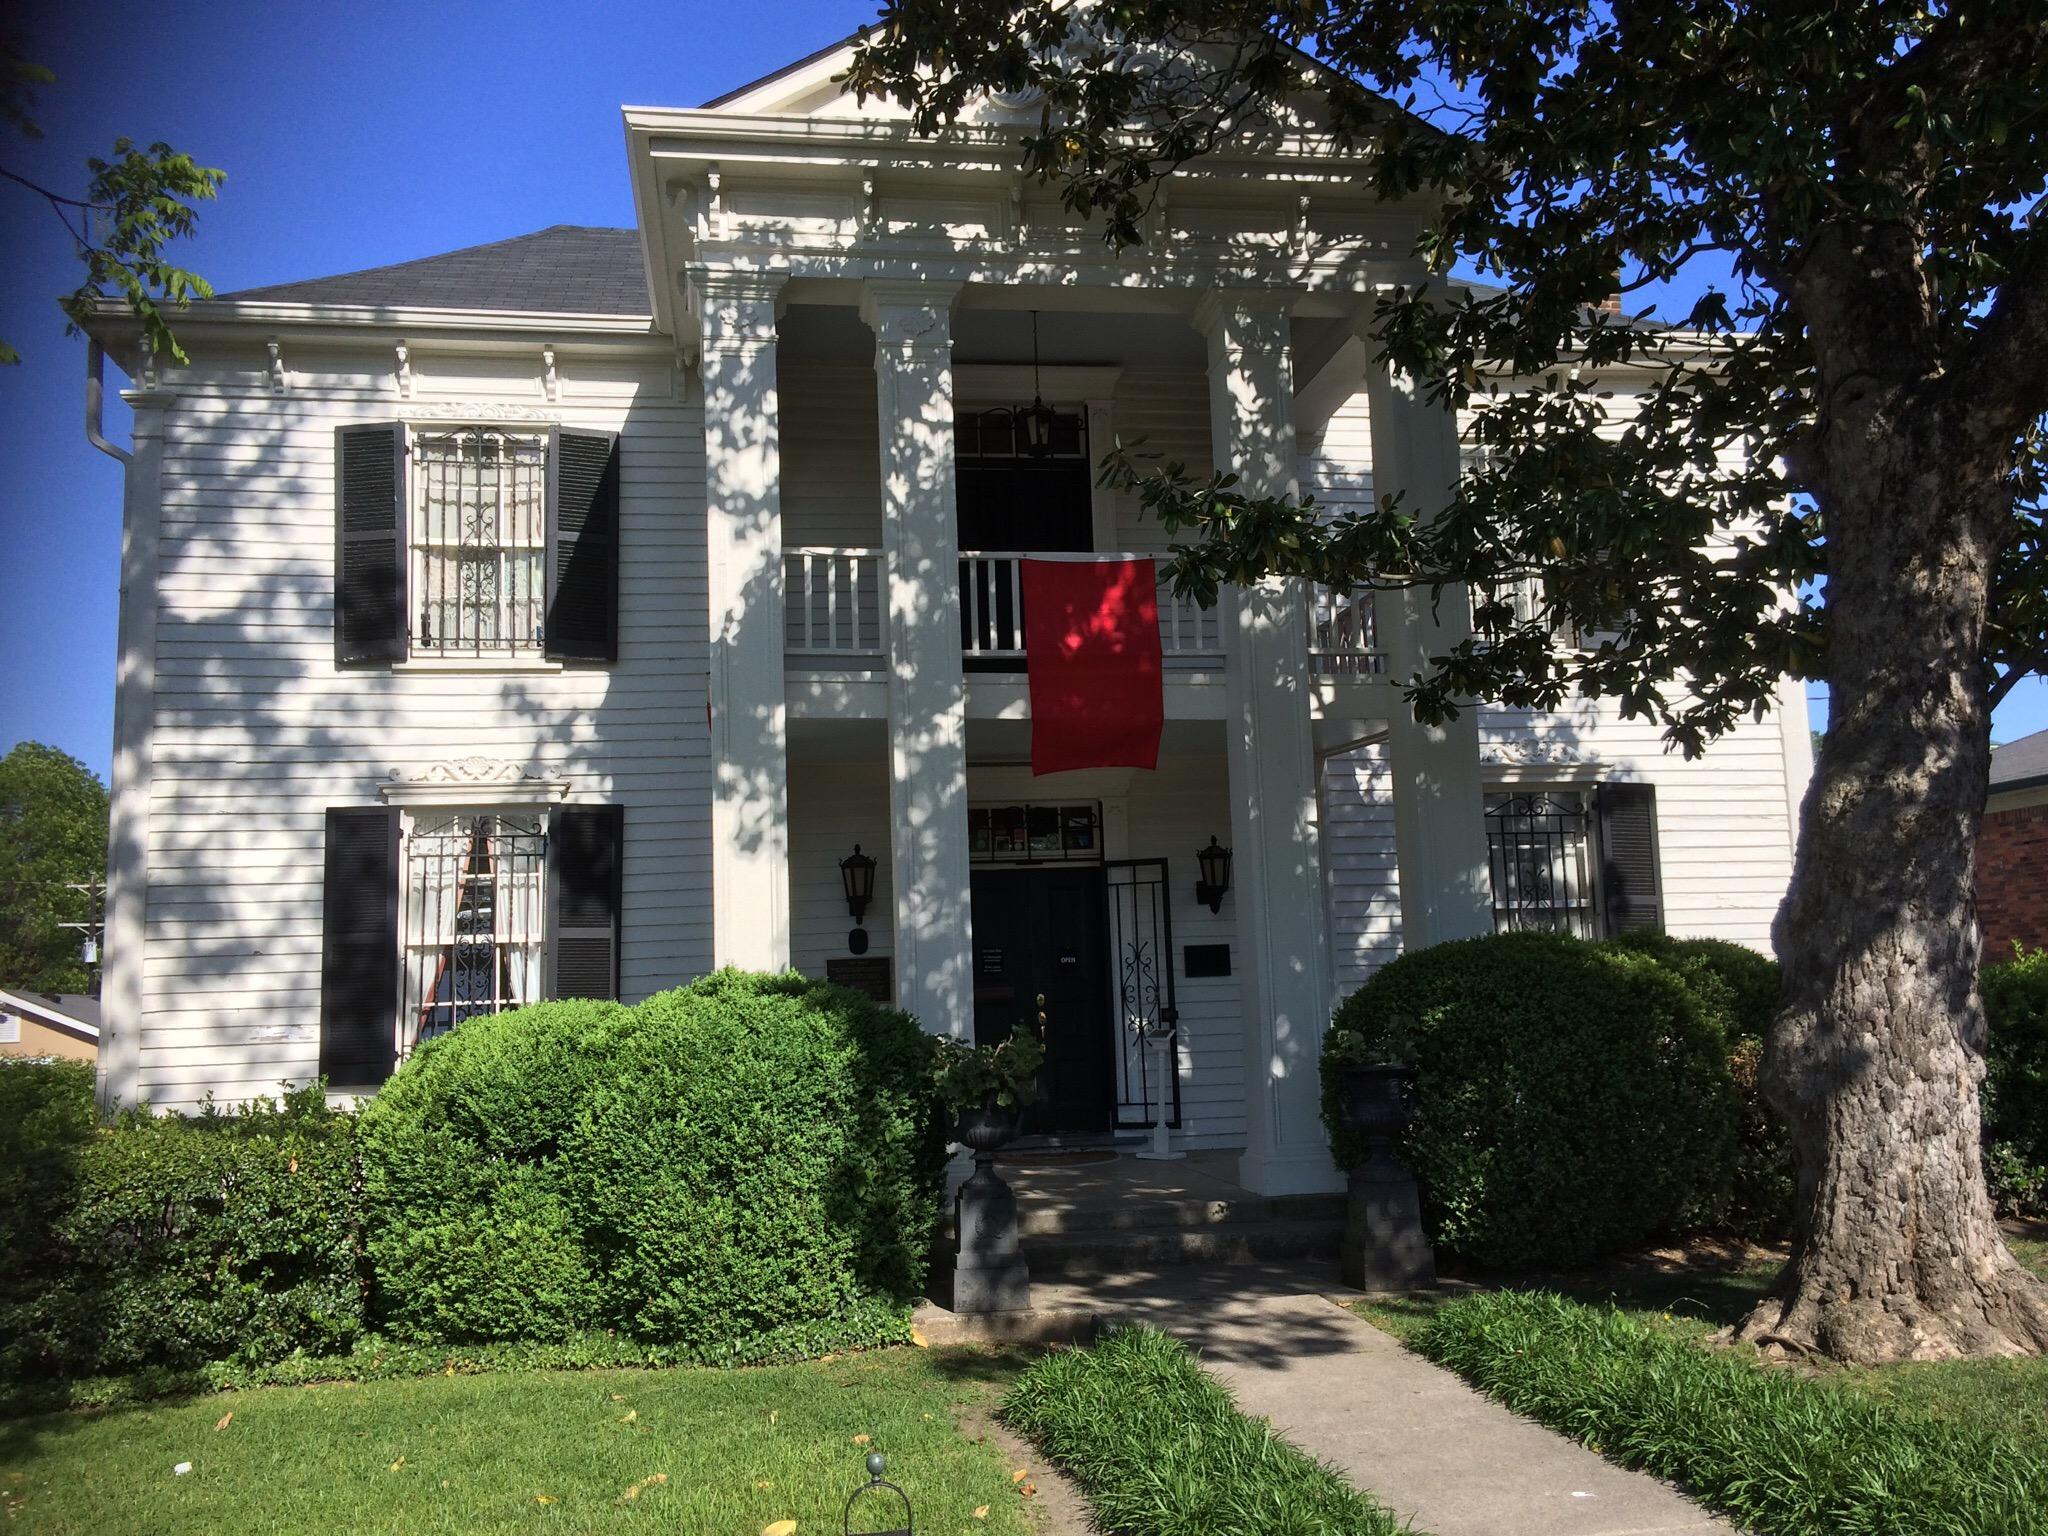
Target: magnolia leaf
{"type": "Point", "coordinates": [398, 1465]}
{"type": "Point", "coordinates": [780, 1528]}
{"type": "Point", "coordinates": [860, 1439]}
{"type": "Point", "coordinates": [223, 1421]}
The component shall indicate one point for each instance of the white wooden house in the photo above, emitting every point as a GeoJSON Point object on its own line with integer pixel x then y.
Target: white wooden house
{"type": "Point", "coordinates": [555, 617]}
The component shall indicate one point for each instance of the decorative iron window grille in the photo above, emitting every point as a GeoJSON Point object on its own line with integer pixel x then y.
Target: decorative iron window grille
{"type": "Point", "coordinates": [1539, 848]}
{"type": "Point", "coordinates": [479, 533]}
{"type": "Point", "coordinates": [1528, 603]}
{"type": "Point", "coordinates": [1035, 834]}
{"type": "Point", "coordinates": [475, 918]}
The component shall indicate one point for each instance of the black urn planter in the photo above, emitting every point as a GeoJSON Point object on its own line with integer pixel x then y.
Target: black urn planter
{"type": "Point", "coordinates": [985, 1271]}
{"type": "Point", "coordinates": [987, 1128]}
{"type": "Point", "coordinates": [1384, 1246]}
{"type": "Point", "coordinates": [1379, 1103]}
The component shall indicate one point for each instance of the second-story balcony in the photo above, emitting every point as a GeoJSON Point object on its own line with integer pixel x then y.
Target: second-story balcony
{"type": "Point", "coordinates": [834, 612]}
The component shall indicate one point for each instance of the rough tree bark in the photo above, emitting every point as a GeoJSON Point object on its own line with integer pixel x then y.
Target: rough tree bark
{"type": "Point", "coordinates": [1876, 1057]}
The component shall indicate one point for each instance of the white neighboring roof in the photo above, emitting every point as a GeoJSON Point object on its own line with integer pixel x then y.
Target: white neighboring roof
{"type": "Point", "coordinates": [76, 1015]}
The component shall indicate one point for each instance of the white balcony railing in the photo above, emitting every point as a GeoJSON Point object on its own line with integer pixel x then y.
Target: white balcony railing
{"type": "Point", "coordinates": [992, 612]}
{"type": "Point", "coordinates": [1342, 640]}
{"type": "Point", "coordinates": [832, 603]}
{"type": "Point", "coordinates": [834, 610]}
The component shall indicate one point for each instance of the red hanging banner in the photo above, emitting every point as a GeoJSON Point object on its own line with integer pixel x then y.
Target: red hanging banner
{"type": "Point", "coordinates": [1091, 642]}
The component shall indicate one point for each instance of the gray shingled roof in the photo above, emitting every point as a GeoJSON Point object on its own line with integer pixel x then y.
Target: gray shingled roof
{"type": "Point", "coordinates": [2018, 762]}
{"type": "Point", "coordinates": [567, 269]}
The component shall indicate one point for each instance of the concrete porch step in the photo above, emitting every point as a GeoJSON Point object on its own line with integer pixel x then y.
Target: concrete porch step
{"type": "Point", "coordinates": [1043, 1218]}
{"type": "Point", "coordinates": [1038, 1217]}
{"type": "Point", "coordinates": [1114, 1251]}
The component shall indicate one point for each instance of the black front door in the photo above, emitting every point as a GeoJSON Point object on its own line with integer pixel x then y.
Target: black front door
{"type": "Point", "coordinates": [1044, 932]}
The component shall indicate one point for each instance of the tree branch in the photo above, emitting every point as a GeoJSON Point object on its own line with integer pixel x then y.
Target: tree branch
{"type": "Point", "coordinates": [2003, 372]}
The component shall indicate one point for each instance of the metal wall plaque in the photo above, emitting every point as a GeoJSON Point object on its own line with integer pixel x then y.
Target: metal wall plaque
{"type": "Point", "coordinates": [871, 975]}
{"type": "Point", "coordinates": [1206, 960]}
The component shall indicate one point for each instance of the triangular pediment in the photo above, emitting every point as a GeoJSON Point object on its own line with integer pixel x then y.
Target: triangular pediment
{"type": "Point", "coordinates": [813, 87]}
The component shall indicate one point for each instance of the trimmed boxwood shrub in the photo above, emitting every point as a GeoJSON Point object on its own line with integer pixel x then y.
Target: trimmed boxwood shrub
{"type": "Point", "coordinates": [1575, 1098]}
{"type": "Point", "coordinates": [46, 1117]}
{"type": "Point", "coordinates": [736, 1156]}
{"type": "Point", "coordinates": [220, 1236]}
{"type": "Point", "coordinates": [2016, 1081]}
{"type": "Point", "coordinates": [1742, 989]}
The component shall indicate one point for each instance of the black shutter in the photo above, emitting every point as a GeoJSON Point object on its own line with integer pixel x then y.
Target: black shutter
{"type": "Point", "coordinates": [583, 547]}
{"type": "Point", "coordinates": [586, 849]}
{"type": "Point", "coordinates": [359, 948]}
{"type": "Point", "coordinates": [1630, 889]}
{"type": "Point", "coordinates": [369, 544]}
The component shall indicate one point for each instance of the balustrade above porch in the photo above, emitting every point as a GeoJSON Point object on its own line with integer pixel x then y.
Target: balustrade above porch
{"type": "Point", "coordinates": [833, 616]}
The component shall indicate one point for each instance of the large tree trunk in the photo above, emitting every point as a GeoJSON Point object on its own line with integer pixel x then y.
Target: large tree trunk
{"type": "Point", "coordinates": [1876, 1059]}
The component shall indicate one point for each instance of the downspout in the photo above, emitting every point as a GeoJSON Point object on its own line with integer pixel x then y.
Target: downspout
{"type": "Point", "coordinates": [95, 394]}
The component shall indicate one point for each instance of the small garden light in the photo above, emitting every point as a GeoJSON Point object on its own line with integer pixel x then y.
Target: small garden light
{"type": "Point", "coordinates": [857, 875]}
{"type": "Point", "coordinates": [1215, 881]}
{"type": "Point", "coordinates": [876, 1483]}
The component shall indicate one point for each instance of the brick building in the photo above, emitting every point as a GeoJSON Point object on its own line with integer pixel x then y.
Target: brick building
{"type": "Point", "coordinates": [2012, 849]}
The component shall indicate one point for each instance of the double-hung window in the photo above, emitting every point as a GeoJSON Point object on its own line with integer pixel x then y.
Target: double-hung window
{"type": "Point", "coordinates": [479, 532]}
{"type": "Point", "coordinates": [473, 542]}
{"type": "Point", "coordinates": [474, 918]}
{"type": "Point", "coordinates": [1574, 859]}
{"type": "Point", "coordinates": [441, 908]}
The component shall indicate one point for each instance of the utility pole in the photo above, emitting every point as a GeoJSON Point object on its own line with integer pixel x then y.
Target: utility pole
{"type": "Point", "coordinates": [94, 929]}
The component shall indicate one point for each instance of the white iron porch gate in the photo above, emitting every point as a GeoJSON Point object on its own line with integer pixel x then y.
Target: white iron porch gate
{"type": "Point", "coordinates": [1141, 986]}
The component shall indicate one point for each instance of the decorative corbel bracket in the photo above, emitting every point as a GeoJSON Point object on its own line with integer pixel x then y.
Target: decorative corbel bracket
{"type": "Point", "coordinates": [403, 368]}
{"type": "Point", "coordinates": [551, 382]}
{"type": "Point", "coordinates": [276, 350]}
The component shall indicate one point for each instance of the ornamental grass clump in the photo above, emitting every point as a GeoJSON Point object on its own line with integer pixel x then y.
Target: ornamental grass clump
{"type": "Point", "coordinates": [1782, 1453]}
{"type": "Point", "coordinates": [1161, 1450]}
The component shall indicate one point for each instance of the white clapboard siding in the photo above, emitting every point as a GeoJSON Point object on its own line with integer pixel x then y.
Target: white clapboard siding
{"type": "Point", "coordinates": [1724, 822]}
{"type": "Point", "coordinates": [832, 806]}
{"type": "Point", "coordinates": [256, 732]}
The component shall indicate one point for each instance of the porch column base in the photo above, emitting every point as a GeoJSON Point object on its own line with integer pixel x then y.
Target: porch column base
{"type": "Point", "coordinates": [1270, 1173]}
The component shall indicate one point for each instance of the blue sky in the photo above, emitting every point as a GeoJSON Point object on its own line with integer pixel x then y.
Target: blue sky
{"type": "Point", "coordinates": [352, 135]}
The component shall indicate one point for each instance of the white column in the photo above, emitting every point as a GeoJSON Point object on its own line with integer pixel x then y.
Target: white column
{"type": "Point", "coordinates": [122, 990]}
{"type": "Point", "coordinates": [743, 547]}
{"type": "Point", "coordinates": [927, 687]}
{"type": "Point", "coordinates": [1439, 813]}
{"type": "Point", "coordinates": [1276, 873]}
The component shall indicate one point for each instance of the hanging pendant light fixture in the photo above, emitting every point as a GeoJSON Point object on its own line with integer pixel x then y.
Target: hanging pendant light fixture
{"type": "Point", "coordinates": [1037, 422]}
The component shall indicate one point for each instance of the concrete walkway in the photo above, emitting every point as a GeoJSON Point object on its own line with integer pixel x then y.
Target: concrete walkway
{"type": "Point", "coordinates": [1438, 1453]}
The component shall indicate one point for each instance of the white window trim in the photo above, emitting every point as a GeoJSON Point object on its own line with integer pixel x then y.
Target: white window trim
{"type": "Point", "coordinates": [480, 782]}
{"type": "Point", "coordinates": [10, 1029]}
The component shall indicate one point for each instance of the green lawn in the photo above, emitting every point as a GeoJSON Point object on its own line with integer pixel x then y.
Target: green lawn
{"type": "Point", "coordinates": [1696, 1298]}
{"type": "Point", "coordinates": [672, 1451]}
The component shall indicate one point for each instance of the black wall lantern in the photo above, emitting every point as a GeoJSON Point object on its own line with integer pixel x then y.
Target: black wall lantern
{"type": "Point", "coordinates": [857, 875]}
{"type": "Point", "coordinates": [1215, 880]}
